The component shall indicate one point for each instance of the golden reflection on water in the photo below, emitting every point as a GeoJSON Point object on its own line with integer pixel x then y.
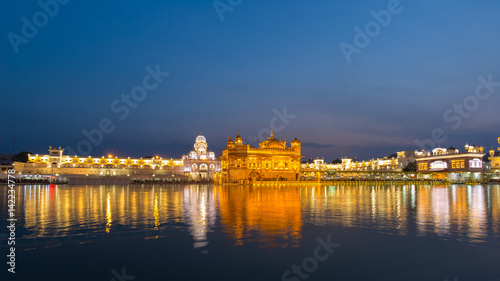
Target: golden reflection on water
{"type": "Point", "coordinates": [269, 215]}
{"type": "Point", "coordinates": [108, 214]}
{"type": "Point", "coordinates": [156, 213]}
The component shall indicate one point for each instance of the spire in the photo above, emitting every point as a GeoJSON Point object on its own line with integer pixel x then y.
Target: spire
{"type": "Point", "coordinates": [238, 139]}
{"type": "Point", "coordinates": [272, 135]}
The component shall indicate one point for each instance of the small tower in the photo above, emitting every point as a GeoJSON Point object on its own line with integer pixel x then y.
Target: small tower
{"type": "Point", "coordinates": [295, 145]}
{"type": "Point", "coordinates": [492, 153]}
{"type": "Point", "coordinates": [499, 143]}
{"type": "Point", "coordinates": [295, 142]}
{"type": "Point", "coordinates": [230, 143]}
{"type": "Point", "coordinates": [238, 140]}
{"type": "Point", "coordinates": [55, 156]}
{"type": "Point", "coordinates": [56, 151]}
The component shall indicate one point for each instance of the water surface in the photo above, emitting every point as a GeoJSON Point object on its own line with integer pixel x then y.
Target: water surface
{"type": "Point", "coordinates": [258, 232]}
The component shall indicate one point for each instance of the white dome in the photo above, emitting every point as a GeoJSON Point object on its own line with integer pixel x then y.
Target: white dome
{"type": "Point", "coordinates": [201, 138]}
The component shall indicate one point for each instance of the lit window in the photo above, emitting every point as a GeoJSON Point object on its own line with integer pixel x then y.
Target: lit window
{"type": "Point", "coordinates": [475, 163]}
{"type": "Point", "coordinates": [439, 165]}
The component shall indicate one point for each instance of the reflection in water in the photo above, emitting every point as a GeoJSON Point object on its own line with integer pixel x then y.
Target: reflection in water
{"type": "Point", "coordinates": [457, 211]}
{"type": "Point", "coordinates": [271, 216]}
{"type": "Point", "coordinates": [200, 214]}
{"type": "Point", "coordinates": [156, 213]}
{"type": "Point", "coordinates": [108, 214]}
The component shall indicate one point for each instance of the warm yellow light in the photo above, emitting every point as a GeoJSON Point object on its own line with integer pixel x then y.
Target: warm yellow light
{"type": "Point", "coordinates": [157, 156]}
{"type": "Point", "coordinates": [109, 156]}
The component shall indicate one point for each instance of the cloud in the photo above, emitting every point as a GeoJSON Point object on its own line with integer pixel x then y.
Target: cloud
{"type": "Point", "coordinates": [317, 145]}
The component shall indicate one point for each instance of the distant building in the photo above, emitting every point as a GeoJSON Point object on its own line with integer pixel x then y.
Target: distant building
{"type": "Point", "coordinates": [409, 156]}
{"type": "Point", "coordinates": [57, 163]}
{"type": "Point", "coordinates": [197, 165]}
{"type": "Point", "coordinates": [390, 164]}
{"type": "Point", "coordinates": [311, 169]}
{"type": "Point", "coordinates": [5, 163]}
{"type": "Point", "coordinates": [453, 164]}
{"type": "Point", "coordinates": [494, 158]}
{"type": "Point", "coordinates": [6, 159]}
{"type": "Point", "coordinates": [200, 164]}
{"type": "Point", "coordinates": [272, 160]}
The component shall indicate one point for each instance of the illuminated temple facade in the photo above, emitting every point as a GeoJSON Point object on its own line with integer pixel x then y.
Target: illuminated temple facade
{"type": "Point", "coordinates": [451, 159]}
{"type": "Point", "coordinates": [494, 157]}
{"type": "Point", "coordinates": [272, 160]}
{"type": "Point", "coordinates": [199, 164]}
{"type": "Point", "coordinates": [453, 164]}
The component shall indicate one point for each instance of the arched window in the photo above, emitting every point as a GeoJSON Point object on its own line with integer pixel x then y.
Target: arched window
{"type": "Point", "coordinates": [475, 163]}
{"type": "Point", "coordinates": [439, 165]}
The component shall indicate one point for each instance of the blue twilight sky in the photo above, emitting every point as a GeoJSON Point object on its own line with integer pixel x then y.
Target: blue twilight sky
{"type": "Point", "coordinates": [237, 73]}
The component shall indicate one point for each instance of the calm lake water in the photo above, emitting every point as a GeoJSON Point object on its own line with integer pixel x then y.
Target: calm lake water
{"type": "Point", "coordinates": [269, 232]}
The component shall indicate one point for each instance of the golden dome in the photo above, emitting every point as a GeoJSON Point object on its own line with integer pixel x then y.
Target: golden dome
{"type": "Point", "coordinates": [272, 142]}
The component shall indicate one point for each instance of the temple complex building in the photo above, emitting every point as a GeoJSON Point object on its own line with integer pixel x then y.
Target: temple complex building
{"type": "Point", "coordinates": [494, 158]}
{"type": "Point", "coordinates": [199, 164]}
{"type": "Point", "coordinates": [272, 160]}
{"type": "Point", "coordinates": [453, 164]}
{"type": "Point", "coordinates": [395, 163]}
{"type": "Point", "coordinates": [451, 159]}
